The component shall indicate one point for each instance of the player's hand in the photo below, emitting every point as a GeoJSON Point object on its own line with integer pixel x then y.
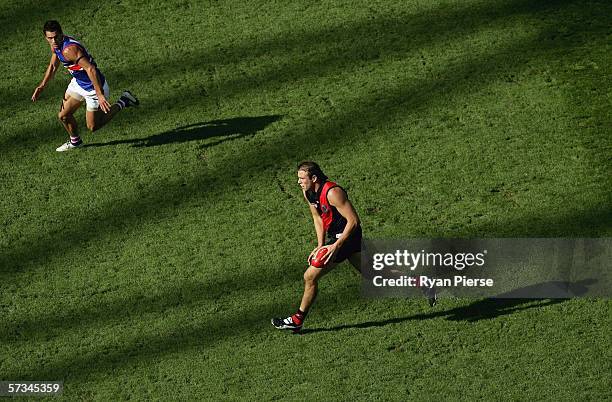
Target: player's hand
{"type": "Point", "coordinates": [104, 105]}
{"type": "Point", "coordinates": [331, 251]}
{"type": "Point", "coordinates": [37, 92]}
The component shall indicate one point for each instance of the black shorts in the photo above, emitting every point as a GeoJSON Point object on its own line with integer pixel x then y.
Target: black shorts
{"type": "Point", "coordinates": [351, 246]}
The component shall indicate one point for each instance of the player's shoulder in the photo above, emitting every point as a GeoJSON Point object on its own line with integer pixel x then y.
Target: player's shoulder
{"type": "Point", "coordinates": [71, 51]}
{"type": "Point", "coordinates": [336, 193]}
{"type": "Point", "coordinates": [334, 187]}
{"type": "Point", "coordinates": [71, 44]}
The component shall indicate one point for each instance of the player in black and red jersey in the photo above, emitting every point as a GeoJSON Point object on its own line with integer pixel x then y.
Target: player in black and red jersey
{"type": "Point", "coordinates": [334, 216]}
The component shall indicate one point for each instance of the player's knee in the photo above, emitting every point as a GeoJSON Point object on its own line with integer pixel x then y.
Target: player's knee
{"type": "Point", "coordinates": [310, 278]}
{"type": "Point", "coordinates": [63, 117]}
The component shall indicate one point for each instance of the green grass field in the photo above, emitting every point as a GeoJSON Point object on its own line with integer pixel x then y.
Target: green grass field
{"type": "Point", "coordinates": [148, 264]}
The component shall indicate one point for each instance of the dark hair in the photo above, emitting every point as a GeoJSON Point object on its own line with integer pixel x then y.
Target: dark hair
{"type": "Point", "coordinates": [52, 26]}
{"type": "Point", "coordinates": [313, 169]}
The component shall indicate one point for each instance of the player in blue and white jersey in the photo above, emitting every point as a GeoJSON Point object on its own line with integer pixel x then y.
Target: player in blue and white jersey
{"type": "Point", "coordinates": [87, 85]}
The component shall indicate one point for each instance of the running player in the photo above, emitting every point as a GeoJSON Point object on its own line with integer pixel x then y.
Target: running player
{"type": "Point", "coordinates": [87, 85]}
{"type": "Point", "coordinates": [334, 216]}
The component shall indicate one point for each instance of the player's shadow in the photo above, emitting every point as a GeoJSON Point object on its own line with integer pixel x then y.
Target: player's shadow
{"type": "Point", "coordinates": [502, 304]}
{"type": "Point", "coordinates": [225, 130]}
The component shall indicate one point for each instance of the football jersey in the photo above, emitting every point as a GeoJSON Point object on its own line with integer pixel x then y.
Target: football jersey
{"type": "Point", "coordinates": [333, 221]}
{"type": "Point", "coordinates": [75, 70]}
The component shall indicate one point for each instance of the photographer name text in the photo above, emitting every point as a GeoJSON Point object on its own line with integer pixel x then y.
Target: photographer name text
{"type": "Point", "coordinates": [423, 281]}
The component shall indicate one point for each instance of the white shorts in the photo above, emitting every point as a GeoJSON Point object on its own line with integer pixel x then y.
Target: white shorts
{"type": "Point", "coordinates": [90, 97]}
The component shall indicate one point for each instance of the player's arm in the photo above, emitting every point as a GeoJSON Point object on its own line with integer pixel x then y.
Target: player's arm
{"type": "Point", "coordinates": [337, 198]}
{"type": "Point", "coordinates": [76, 55]}
{"type": "Point", "coordinates": [49, 74]}
{"type": "Point", "coordinates": [318, 223]}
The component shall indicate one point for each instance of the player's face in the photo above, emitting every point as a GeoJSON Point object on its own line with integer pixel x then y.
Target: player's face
{"type": "Point", "coordinates": [54, 39]}
{"type": "Point", "coordinates": [305, 182]}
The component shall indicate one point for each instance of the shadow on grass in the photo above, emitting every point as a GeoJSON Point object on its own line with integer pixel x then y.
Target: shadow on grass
{"type": "Point", "coordinates": [254, 317]}
{"type": "Point", "coordinates": [364, 41]}
{"type": "Point", "coordinates": [486, 309]}
{"type": "Point", "coordinates": [32, 15]}
{"type": "Point", "coordinates": [480, 310]}
{"type": "Point", "coordinates": [229, 129]}
{"type": "Point", "coordinates": [182, 294]}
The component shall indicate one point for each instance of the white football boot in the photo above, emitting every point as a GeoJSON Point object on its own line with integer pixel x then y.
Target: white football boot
{"type": "Point", "coordinates": [68, 146]}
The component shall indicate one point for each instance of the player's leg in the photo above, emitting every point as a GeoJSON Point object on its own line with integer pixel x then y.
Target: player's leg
{"type": "Point", "coordinates": [311, 285]}
{"type": "Point", "coordinates": [351, 250]}
{"type": "Point", "coordinates": [66, 114]}
{"type": "Point", "coordinates": [430, 293]}
{"type": "Point", "coordinates": [311, 281]}
{"type": "Point", "coordinates": [355, 260]}
{"type": "Point", "coordinates": [311, 288]}
{"type": "Point", "coordinates": [96, 118]}
{"type": "Point", "coordinates": [71, 102]}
